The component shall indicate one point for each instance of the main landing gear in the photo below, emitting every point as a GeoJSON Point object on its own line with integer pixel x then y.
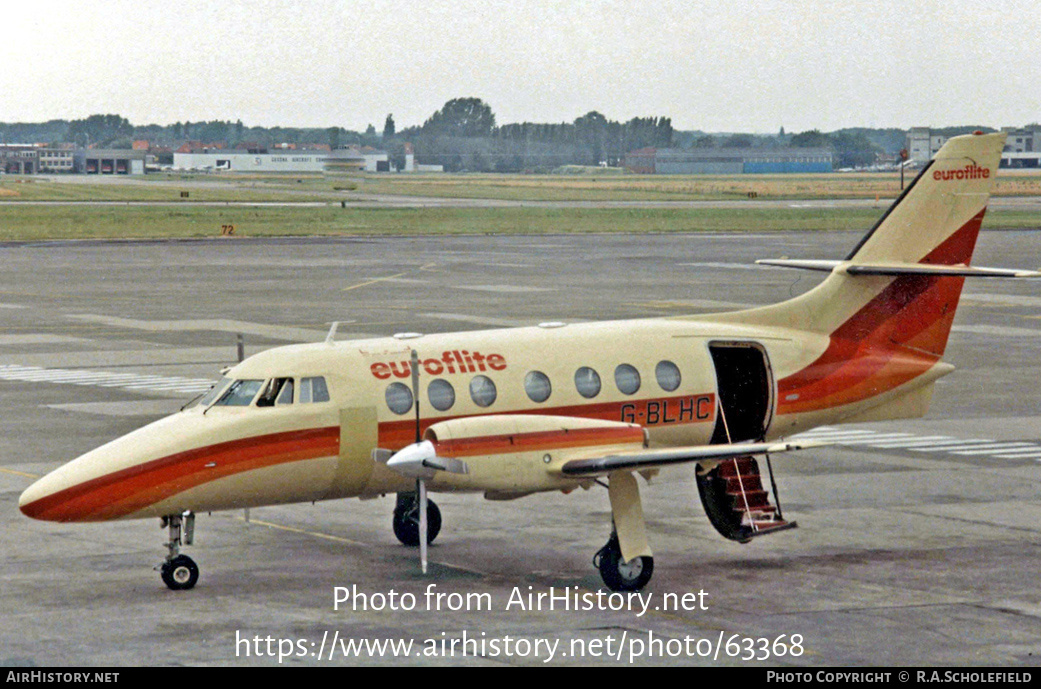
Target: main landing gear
{"type": "Point", "coordinates": [179, 572]}
{"type": "Point", "coordinates": [618, 574]}
{"type": "Point", "coordinates": [406, 519]}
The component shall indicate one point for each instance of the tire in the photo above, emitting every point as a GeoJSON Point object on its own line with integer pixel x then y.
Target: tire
{"type": "Point", "coordinates": [619, 575]}
{"type": "Point", "coordinates": [406, 523]}
{"type": "Point", "coordinates": [180, 573]}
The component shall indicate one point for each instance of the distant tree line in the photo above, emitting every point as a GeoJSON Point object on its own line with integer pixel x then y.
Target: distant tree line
{"type": "Point", "coordinates": [114, 131]}
{"type": "Point", "coordinates": [464, 136]}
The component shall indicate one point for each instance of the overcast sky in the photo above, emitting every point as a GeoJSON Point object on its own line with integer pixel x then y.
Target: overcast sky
{"type": "Point", "coordinates": [729, 65]}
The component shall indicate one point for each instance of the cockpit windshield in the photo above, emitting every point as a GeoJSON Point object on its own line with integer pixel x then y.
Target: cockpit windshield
{"type": "Point", "coordinates": [215, 392]}
{"type": "Point", "coordinates": [240, 393]}
{"type": "Point", "coordinates": [272, 392]}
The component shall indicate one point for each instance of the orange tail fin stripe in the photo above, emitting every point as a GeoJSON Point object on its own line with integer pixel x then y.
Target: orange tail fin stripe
{"type": "Point", "coordinates": [913, 311]}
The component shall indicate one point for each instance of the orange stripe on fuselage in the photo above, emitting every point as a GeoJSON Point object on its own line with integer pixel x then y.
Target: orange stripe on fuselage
{"type": "Point", "coordinates": [124, 492]}
{"type": "Point", "coordinates": [896, 337]}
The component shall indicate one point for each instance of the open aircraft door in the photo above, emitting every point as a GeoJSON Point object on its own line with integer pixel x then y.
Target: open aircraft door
{"type": "Point", "coordinates": [744, 391]}
{"type": "Point", "coordinates": [735, 499]}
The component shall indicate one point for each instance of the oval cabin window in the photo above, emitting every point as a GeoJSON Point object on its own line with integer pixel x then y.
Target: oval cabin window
{"type": "Point", "coordinates": [441, 394]}
{"type": "Point", "coordinates": [537, 385]}
{"type": "Point", "coordinates": [587, 382]}
{"type": "Point", "coordinates": [482, 391]}
{"type": "Point", "coordinates": [627, 378]}
{"type": "Point", "coordinates": [399, 398]}
{"type": "Point", "coordinates": [668, 375]}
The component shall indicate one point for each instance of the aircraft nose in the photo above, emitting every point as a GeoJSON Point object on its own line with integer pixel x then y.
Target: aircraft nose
{"type": "Point", "coordinates": [34, 500]}
{"type": "Point", "coordinates": [97, 485]}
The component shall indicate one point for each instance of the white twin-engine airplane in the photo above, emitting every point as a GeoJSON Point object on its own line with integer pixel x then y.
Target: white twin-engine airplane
{"type": "Point", "coordinates": [513, 412]}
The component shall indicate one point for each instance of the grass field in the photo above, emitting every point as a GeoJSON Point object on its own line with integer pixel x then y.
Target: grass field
{"type": "Point", "coordinates": [35, 223]}
{"type": "Point", "coordinates": [667, 187]}
{"type": "Point", "coordinates": [587, 187]}
{"type": "Point", "coordinates": [164, 188]}
{"type": "Point", "coordinates": [186, 218]}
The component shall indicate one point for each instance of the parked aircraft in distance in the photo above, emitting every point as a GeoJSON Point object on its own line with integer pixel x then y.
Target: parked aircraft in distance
{"type": "Point", "coordinates": [556, 407]}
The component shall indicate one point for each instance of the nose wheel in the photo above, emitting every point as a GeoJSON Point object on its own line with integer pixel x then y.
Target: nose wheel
{"type": "Point", "coordinates": [179, 572]}
{"type": "Point", "coordinates": [406, 519]}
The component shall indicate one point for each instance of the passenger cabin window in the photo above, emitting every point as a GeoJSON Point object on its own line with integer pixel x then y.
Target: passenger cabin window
{"type": "Point", "coordinates": [482, 391]}
{"type": "Point", "coordinates": [277, 391]}
{"type": "Point", "coordinates": [441, 394]}
{"type": "Point", "coordinates": [399, 398]}
{"type": "Point", "coordinates": [537, 385]}
{"type": "Point", "coordinates": [240, 393]}
{"type": "Point", "coordinates": [587, 381]}
{"type": "Point", "coordinates": [313, 390]}
{"type": "Point", "coordinates": [668, 375]}
{"type": "Point", "coordinates": [627, 378]}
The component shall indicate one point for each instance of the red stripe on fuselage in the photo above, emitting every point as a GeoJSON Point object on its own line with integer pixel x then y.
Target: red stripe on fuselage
{"type": "Point", "coordinates": [132, 489]}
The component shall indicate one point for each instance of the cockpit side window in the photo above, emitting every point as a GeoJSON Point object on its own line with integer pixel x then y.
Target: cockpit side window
{"type": "Point", "coordinates": [240, 393]}
{"type": "Point", "coordinates": [313, 390]}
{"type": "Point", "coordinates": [275, 390]}
{"type": "Point", "coordinates": [286, 396]}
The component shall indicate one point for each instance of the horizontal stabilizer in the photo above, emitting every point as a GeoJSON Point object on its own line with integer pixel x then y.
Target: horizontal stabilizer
{"type": "Point", "coordinates": [897, 269]}
{"type": "Point", "coordinates": [823, 266]}
{"type": "Point", "coordinates": [646, 459]}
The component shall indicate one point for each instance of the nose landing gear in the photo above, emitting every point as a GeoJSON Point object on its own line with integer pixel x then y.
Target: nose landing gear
{"type": "Point", "coordinates": [179, 572]}
{"type": "Point", "coordinates": [406, 519]}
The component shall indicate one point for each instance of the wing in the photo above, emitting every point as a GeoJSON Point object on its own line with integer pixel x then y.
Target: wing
{"type": "Point", "coordinates": [656, 458]}
{"type": "Point", "coordinates": [567, 447]}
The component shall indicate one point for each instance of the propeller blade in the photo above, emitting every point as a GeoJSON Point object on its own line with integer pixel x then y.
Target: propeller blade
{"type": "Point", "coordinates": [415, 389]}
{"type": "Point", "coordinates": [421, 489]}
{"type": "Point", "coordinates": [421, 484]}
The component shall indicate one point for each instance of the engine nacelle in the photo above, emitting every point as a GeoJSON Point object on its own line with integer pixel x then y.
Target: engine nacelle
{"type": "Point", "coordinates": [511, 455]}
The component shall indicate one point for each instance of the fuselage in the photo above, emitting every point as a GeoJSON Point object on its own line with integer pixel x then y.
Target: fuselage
{"type": "Point", "coordinates": [300, 423]}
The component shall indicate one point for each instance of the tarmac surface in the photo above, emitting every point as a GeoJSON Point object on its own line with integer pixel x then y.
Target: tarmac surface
{"type": "Point", "coordinates": [918, 541]}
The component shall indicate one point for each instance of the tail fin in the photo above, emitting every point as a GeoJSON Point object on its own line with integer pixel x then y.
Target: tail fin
{"type": "Point", "coordinates": [885, 312]}
{"type": "Point", "coordinates": [937, 218]}
{"type": "Point", "coordinates": [935, 222]}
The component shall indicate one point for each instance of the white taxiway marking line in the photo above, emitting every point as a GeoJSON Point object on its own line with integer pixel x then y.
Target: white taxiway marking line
{"type": "Point", "coordinates": [726, 266]}
{"type": "Point", "coordinates": [127, 381]}
{"type": "Point", "coordinates": [916, 441]}
{"type": "Point", "coordinates": [504, 289]}
{"type": "Point", "coordinates": [999, 449]}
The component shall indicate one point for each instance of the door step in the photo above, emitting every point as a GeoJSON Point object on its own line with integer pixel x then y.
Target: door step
{"type": "Point", "coordinates": [736, 502]}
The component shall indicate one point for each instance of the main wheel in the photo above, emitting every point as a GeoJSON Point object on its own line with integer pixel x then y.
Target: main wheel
{"type": "Point", "coordinates": [180, 573]}
{"type": "Point", "coordinates": [406, 522]}
{"type": "Point", "coordinates": [619, 575]}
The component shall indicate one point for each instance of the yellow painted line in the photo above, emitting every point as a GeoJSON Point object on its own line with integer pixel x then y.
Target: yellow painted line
{"type": "Point", "coordinates": [19, 473]}
{"type": "Point", "coordinates": [293, 529]}
{"type": "Point", "coordinates": [388, 277]}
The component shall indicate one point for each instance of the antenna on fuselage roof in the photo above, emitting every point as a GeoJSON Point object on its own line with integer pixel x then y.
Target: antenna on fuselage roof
{"type": "Point", "coordinates": [332, 332]}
